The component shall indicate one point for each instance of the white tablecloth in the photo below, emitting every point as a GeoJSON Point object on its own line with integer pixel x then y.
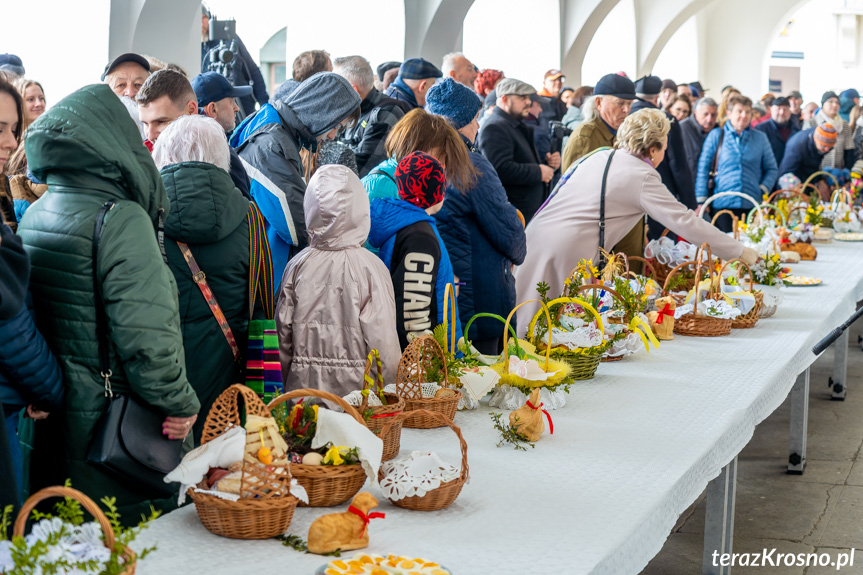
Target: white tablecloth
{"type": "Point", "coordinates": [631, 450]}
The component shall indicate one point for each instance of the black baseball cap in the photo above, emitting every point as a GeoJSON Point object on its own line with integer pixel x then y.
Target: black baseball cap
{"type": "Point", "coordinates": [614, 85]}
{"type": "Point", "coordinates": [212, 87]}
{"type": "Point", "coordinates": [781, 101]}
{"type": "Point", "coordinates": [128, 57]}
{"type": "Point", "coordinates": [385, 67]}
{"type": "Point", "coordinates": [648, 85]}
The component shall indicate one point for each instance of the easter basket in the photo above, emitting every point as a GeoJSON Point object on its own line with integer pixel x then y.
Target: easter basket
{"type": "Point", "coordinates": [266, 506]}
{"type": "Point", "coordinates": [583, 361]}
{"type": "Point", "coordinates": [375, 417]}
{"type": "Point", "coordinates": [628, 323]}
{"type": "Point", "coordinates": [424, 360]}
{"type": "Point", "coordinates": [130, 559]}
{"type": "Point", "coordinates": [444, 495]}
{"type": "Point", "coordinates": [750, 318]}
{"type": "Point", "coordinates": [660, 267]}
{"type": "Point", "coordinates": [326, 485]}
{"type": "Point", "coordinates": [696, 324]}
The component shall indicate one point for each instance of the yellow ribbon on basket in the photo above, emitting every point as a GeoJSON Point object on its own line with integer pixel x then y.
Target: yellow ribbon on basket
{"type": "Point", "coordinates": [449, 298]}
{"type": "Point", "coordinates": [374, 354]}
{"type": "Point", "coordinates": [642, 328]}
{"type": "Point", "coordinates": [580, 302]}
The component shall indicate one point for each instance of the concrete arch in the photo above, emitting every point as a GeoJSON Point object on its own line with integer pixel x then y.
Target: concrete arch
{"type": "Point", "coordinates": [656, 24]}
{"type": "Point", "coordinates": [579, 21]}
{"type": "Point", "coordinates": [434, 28]}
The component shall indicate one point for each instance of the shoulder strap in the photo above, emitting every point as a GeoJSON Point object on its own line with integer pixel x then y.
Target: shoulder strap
{"type": "Point", "coordinates": [260, 264]}
{"type": "Point", "coordinates": [383, 173]}
{"type": "Point", "coordinates": [200, 278]}
{"type": "Point", "coordinates": [718, 150]}
{"type": "Point", "coordinates": [602, 205]}
{"type": "Point", "coordinates": [101, 315]}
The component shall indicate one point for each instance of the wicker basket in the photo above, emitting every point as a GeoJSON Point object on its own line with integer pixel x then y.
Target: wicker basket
{"type": "Point", "coordinates": [443, 496]}
{"type": "Point", "coordinates": [767, 310]}
{"type": "Point", "coordinates": [131, 559]}
{"type": "Point", "coordinates": [267, 507]}
{"type": "Point", "coordinates": [380, 414]}
{"type": "Point", "coordinates": [416, 362]}
{"type": "Point", "coordinates": [752, 316]}
{"type": "Point", "coordinates": [692, 323]}
{"type": "Point", "coordinates": [583, 365]}
{"type": "Point", "coordinates": [326, 485]}
{"type": "Point", "coordinates": [735, 221]}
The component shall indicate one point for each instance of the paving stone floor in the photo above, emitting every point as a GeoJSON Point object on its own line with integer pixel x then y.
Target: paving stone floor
{"type": "Point", "coordinates": [818, 512]}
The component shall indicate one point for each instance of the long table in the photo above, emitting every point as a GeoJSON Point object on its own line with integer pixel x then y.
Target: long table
{"type": "Point", "coordinates": [631, 450]}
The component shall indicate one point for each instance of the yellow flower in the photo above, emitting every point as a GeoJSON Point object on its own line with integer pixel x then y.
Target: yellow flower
{"type": "Point", "coordinates": [334, 456]}
{"type": "Point", "coordinates": [315, 409]}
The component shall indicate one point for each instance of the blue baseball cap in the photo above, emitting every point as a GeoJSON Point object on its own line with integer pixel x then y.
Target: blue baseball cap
{"type": "Point", "coordinates": [212, 87]}
{"type": "Point", "coordinates": [418, 69]}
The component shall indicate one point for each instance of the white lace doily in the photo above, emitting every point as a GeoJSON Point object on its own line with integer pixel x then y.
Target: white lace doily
{"type": "Point", "coordinates": [467, 402]}
{"type": "Point", "coordinates": [710, 308]}
{"type": "Point", "coordinates": [355, 398]}
{"type": "Point", "coordinates": [587, 336]}
{"type": "Point", "coordinates": [415, 475]}
{"type": "Point", "coordinates": [627, 346]}
{"type": "Point", "coordinates": [508, 397]}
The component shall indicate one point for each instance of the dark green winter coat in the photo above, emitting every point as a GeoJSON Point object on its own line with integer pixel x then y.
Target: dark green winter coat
{"type": "Point", "coordinates": [88, 150]}
{"type": "Point", "coordinates": [209, 215]}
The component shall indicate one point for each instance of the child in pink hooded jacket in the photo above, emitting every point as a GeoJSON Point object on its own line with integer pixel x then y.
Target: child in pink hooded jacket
{"type": "Point", "coordinates": [336, 299]}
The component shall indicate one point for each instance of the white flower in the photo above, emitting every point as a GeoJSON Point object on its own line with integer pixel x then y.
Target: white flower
{"type": "Point", "coordinates": [47, 527]}
{"type": "Point", "coordinates": [6, 563]}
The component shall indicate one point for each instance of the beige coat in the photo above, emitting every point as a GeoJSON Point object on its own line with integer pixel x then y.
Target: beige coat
{"type": "Point", "coordinates": [336, 301]}
{"type": "Point", "coordinates": [567, 229]}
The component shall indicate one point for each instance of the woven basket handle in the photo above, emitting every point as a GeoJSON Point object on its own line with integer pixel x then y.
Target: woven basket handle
{"type": "Point", "coordinates": [58, 491]}
{"type": "Point", "coordinates": [449, 306]}
{"type": "Point", "coordinates": [298, 393]}
{"type": "Point", "coordinates": [506, 332]}
{"type": "Point", "coordinates": [530, 327]}
{"type": "Point", "coordinates": [440, 417]}
{"type": "Point", "coordinates": [369, 383]}
{"type": "Point", "coordinates": [491, 315]}
{"type": "Point", "coordinates": [734, 217]}
{"type": "Point", "coordinates": [762, 210]}
{"type": "Point", "coordinates": [644, 261]}
{"type": "Point", "coordinates": [821, 173]}
{"type": "Point", "coordinates": [739, 275]}
{"type": "Point", "coordinates": [699, 263]}
{"type": "Point", "coordinates": [789, 192]}
{"type": "Point", "coordinates": [225, 412]}
{"type": "Point", "coordinates": [594, 287]}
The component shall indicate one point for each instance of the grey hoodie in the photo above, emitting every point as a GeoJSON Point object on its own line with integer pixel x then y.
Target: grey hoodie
{"type": "Point", "coordinates": [336, 300]}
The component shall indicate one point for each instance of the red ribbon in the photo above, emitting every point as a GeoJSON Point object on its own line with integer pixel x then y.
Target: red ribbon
{"type": "Point", "coordinates": [667, 311]}
{"type": "Point", "coordinates": [394, 413]}
{"type": "Point", "coordinates": [550, 424]}
{"type": "Point", "coordinates": [365, 518]}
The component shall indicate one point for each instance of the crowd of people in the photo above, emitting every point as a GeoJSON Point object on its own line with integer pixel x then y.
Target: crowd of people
{"type": "Point", "coordinates": [136, 204]}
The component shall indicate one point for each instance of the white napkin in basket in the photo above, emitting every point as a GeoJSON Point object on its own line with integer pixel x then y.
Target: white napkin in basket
{"type": "Point", "coordinates": [342, 430]}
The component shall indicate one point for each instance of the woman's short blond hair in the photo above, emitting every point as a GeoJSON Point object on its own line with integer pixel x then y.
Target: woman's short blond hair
{"type": "Point", "coordinates": [642, 131]}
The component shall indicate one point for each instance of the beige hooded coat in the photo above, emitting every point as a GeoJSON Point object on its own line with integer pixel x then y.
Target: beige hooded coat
{"type": "Point", "coordinates": [567, 230]}
{"type": "Point", "coordinates": [336, 300]}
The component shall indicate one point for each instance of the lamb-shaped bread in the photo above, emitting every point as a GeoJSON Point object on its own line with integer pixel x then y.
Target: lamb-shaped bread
{"type": "Point", "coordinates": [344, 531]}
{"type": "Point", "coordinates": [662, 320]}
{"type": "Point", "coordinates": [526, 420]}
{"type": "Point", "coordinates": [806, 251]}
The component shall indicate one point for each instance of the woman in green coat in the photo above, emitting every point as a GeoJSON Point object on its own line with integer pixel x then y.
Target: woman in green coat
{"type": "Point", "coordinates": [88, 150]}
{"type": "Point", "coordinates": [210, 216]}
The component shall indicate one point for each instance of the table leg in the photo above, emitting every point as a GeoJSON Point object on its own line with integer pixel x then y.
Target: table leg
{"type": "Point", "coordinates": [799, 424]}
{"type": "Point", "coordinates": [719, 522]}
{"type": "Point", "coordinates": [840, 367]}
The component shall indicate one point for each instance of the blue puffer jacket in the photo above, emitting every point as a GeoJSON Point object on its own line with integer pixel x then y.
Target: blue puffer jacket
{"type": "Point", "coordinates": [746, 162]}
{"type": "Point", "coordinates": [388, 217]}
{"type": "Point", "coordinates": [29, 374]}
{"type": "Point", "coordinates": [483, 236]}
{"type": "Point", "coordinates": [380, 186]}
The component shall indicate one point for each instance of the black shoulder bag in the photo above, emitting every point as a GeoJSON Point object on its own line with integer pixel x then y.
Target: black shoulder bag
{"type": "Point", "coordinates": [602, 207]}
{"type": "Point", "coordinates": [128, 443]}
{"type": "Point", "coordinates": [711, 175]}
